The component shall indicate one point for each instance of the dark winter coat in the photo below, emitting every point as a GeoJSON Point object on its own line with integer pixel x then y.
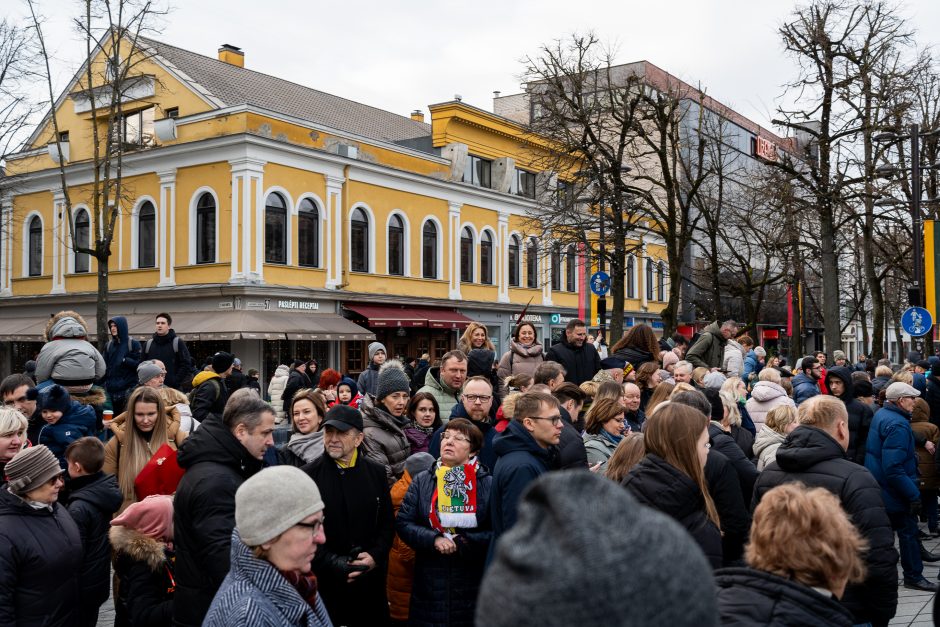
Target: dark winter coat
{"type": "Point", "coordinates": [580, 363]}
{"type": "Point", "coordinates": [752, 366]}
{"type": "Point", "coordinates": [657, 484]}
{"type": "Point", "coordinates": [368, 379]}
{"type": "Point", "coordinates": [754, 598]}
{"type": "Point", "coordinates": [709, 350]}
{"type": "Point", "coordinates": [179, 363]}
{"type": "Point", "coordinates": [385, 441]}
{"type": "Point", "coordinates": [636, 357]}
{"type": "Point", "coordinates": [144, 567]}
{"type": "Point", "coordinates": [571, 453]}
{"type": "Point", "coordinates": [814, 458]}
{"type": "Point", "coordinates": [725, 444]}
{"type": "Point", "coordinates": [93, 500]}
{"type": "Point", "coordinates": [925, 431]}
{"type": "Point", "coordinates": [418, 440]}
{"type": "Point", "coordinates": [235, 380]}
{"type": "Point", "coordinates": [296, 380]}
{"type": "Point", "coordinates": [879, 383]}
{"type": "Point", "coordinates": [804, 388]}
{"type": "Point", "coordinates": [744, 439]}
{"type": "Point", "coordinates": [860, 415]}
{"type": "Point", "coordinates": [40, 562]}
{"type": "Point", "coordinates": [77, 422]}
{"type": "Point", "coordinates": [932, 397]}
{"type": "Point", "coordinates": [487, 454]}
{"type": "Point", "coordinates": [733, 514]}
{"type": "Point", "coordinates": [360, 516]}
{"type": "Point", "coordinates": [210, 393]}
{"type": "Point", "coordinates": [891, 457]}
{"type": "Point", "coordinates": [216, 464]}
{"type": "Point", "coordinates": [122, 357]}
{"type": "Point", "coordinates": [445, 587]}
{"type": "Point", "coordinates": [519, 461]}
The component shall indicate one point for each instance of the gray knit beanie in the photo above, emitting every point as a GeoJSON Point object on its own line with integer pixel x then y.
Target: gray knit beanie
{"type": "Point", "coordinates": [375, 347]}
{"type": "Point", "coordinates": [714, 380]}
{"type": "Point", "coordinates": [392, 378]}
{"type": "Point", "coordinates": [272, 501]}
{"type": "Point", "coordinates": [418, 462]}
{"type": "Point", "coordinates": [563, 535]}
{"type": "Point", "coordinates": [30, 468]}
{"type": "Point", "coordinates": [147, 370]}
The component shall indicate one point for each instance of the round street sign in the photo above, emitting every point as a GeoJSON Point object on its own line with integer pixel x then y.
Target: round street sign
{"type": "Point", "coordinates": [916, 321]}
{"type": "Point", "coordinates": [600, 283]}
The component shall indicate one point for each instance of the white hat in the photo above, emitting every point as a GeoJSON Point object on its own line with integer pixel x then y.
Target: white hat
{"type": "Point", "coordinates": [898, 390]}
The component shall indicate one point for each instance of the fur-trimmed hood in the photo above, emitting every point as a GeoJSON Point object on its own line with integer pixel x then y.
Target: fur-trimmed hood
{"type": "Point", "coordinates": [95, 396]}
{"type": "Point", "coordinates": [138, 547]}
{"type": "Point", "coordinates": [67, 328]}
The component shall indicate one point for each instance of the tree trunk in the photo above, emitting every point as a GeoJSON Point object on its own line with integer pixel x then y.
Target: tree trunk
{"type": "Point", "coordinates": [101, 309]}
{"type": "Point", "coordinates": [615, 315]}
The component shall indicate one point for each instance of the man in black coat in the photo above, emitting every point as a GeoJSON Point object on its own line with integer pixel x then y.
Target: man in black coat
{"type": "Point", "coordinates": [933, 393]}
{"type": "Point", "coordinates": [839, 384]}
{"type": "Point", "coordinates": [814, 454]}
{"type": "Point", "coordinates": [210, 392]}
{"type": "Point", "coordinates": [218, 457]}
{"type": "Point", "coordinates": [352, 565]}
{"type": "Point", "coordinates": [172, 351]}
{"type": "Point", "coordinates": [296, 380]}
{"type": "Point", "coordinates": [579, 358]}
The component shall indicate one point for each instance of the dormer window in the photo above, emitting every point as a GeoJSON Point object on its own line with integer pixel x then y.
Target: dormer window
{"type": "Point", "coordinates": [135, 130]}
{"type": "Point", "coordinates": [478, 171]}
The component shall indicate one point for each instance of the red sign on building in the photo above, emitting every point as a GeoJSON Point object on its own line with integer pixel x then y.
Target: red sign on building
{"type": "Point", "coordinates": [765, 149]}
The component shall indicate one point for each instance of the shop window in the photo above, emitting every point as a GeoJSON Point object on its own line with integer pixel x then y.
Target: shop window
{"type": "Point", "coordinates": [354, 357]}
{"type": "Point", "coordinates": [35, 246]}
{"type": "Point", "coordinates": [532, 263]}
{"type": "Point", "coordinates": [513, 261]}
{"type": "Point", "coordinates": [80, 239]}
{"type": "Point", "coordinates": [631, 277]}
{"type": "Point", "coordinates": [308, 234]}
{"type": "Point", "coordinates": [556, 267]}
{"type": "Point", "coordinates": [649, 279]}
{"type": "Point", "coordinates": [661, 282]}
{"type": "Point", "coordinates": [571, 269]}
{"type": "Point", "coordinates": [441, 346]}
{"type": "Point", "coordinates": [429, 250]}
{"type": "Point", "coordinates": [396, 246]}
{"type": "Point", "coordinates": [205, 229]}
{"type": "Point", "coordinates": [359, 241]}
{"type": "Point", "coordinates": [275, 229]}
{"type": "Point", "coordinates": [146, 235]}
{"type": "Point", "coordinates": [466, 255]}
{"type": "Point", "coordinates": [486, 258]}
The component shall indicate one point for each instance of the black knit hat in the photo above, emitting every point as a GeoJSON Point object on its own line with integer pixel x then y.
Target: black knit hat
{"type": "Point", "coordinates": [222, 361]}
{"type": "Point", "coordinates": [55, 398]}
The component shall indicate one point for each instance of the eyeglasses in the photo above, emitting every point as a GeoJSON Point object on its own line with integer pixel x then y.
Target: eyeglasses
{"type": "Point", "coordinates": [555, 420]}
{"type": "Point", "coordinates": [314, 527]}
{"type": "Point", "coordinates": [446, 437]}
{"type": "Point", "coordinates": [56, 480]}
{"type": "Point", "coordinates": [477, 398]}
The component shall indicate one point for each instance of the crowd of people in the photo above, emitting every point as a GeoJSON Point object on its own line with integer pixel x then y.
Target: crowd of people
{"type": "Point", "coordinates": [658, 481]}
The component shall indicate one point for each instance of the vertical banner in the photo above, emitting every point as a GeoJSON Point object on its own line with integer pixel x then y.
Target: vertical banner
{"type": "Point", "coordinates": [790, 310]}
{"type": "Point", "coordinates": [930, 267]}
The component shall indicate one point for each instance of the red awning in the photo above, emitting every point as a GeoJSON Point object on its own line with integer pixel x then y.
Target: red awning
{"type": "Point", "coordinates": [379, 316]}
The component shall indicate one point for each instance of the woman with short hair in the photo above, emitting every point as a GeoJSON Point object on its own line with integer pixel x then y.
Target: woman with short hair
{"type": "Point", "coordinates": [780, 422]}
{"type": "Point", "coordinates": [13, 425]}
{"type": "Point", "coordinates": [604, 430]}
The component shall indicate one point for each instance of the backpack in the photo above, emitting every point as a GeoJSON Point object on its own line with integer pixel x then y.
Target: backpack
{"type": "Point", "coordinates": [218, 390]}
{"type": "Point", "coordinates": [176, 345]}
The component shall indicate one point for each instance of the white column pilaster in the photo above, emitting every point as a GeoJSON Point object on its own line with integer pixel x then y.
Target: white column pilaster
{"type": "Point", "coordinates": [59, 245]}
{"type": "Point", "coordinates": [247, 220]}
{"type": "Point", "coordinates": [453, 226]}
{"type": "Point", "coordinates": [545, 267]}
{"type": "Point", "coordinates": [502, 292]}
{"type": "Point", "coordinates": [166, 231]}
{"type": "Point", "coordinates": [335, 242]}
{"type": "Point", "coordinates": [6, 246]}
{"type": "Point", "coordinates": [644, 262]}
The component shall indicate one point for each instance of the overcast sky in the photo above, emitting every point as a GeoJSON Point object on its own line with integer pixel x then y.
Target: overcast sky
{"type": "Point", "coordinates": [402, 56]}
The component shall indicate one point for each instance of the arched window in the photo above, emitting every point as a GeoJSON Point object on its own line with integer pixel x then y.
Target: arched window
{"type": "Point", "coordinates": [649, 279]}
{"type": "Point", "coordinates": [532, 263]}
{"type": "Point", "coordinates": [146, 235]}
{"type": "Point", "coordinates": [275, 229]}
{"type": "Point", "coordinates": [308, 234]}
{"type": "Point", "coordinates": [556, 267]}
{"type": "Point", "coordinates": [513, 261]}
{"type": "Point", "coordinates": [35, 246]}
{"type": "Point", "coordinates": [661, 282]}
{"type": "Point", "coordinates": [631, 277]}
{"type": "Point", "coordinates": [486, 258]}
{"type": "Point", "coordinates": [359, 241]}
{"type": "Point", "coordinates": [396, 246]}
{"type": "Point", "coordinates": [80, 239]}
{"type": "Point", "coordinates": [571, 269]}
{"type": "Point", "coordinates": [429, 250]}
{"type": "Point", "coordinates": [205, 229]}
{"type": "Point", "coordinates": [466, 255]}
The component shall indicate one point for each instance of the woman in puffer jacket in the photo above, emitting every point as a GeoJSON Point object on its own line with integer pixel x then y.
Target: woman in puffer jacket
{"type": "Point", "coordinates": [276, 391]}
{"type": "Point", "coordinates": [67, 357]}
{"type": "Point", "coordinates": [524, 354]}
{"type": "Point", "coordinates": [767, 394]}
{"type": "Point", "coordinates": [780, 422]}
{"type": "Point", "coordinates": [384, 418]}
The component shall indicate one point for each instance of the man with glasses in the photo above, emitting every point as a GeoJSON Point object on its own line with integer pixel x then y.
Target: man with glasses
{"type": "Point", "coordinates": [524, 451]}
{"type": "Point", "coordinates": [806, 383]}
{"type": "Point", "coordinates": [891, 458]}
{"type": "Point", "coordinates": [475, 404]}
{"type": "Point", "coordinates": [351, 565]}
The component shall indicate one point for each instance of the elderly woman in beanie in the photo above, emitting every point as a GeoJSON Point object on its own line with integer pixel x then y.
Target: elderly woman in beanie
{"type": "Point", "coordinates": [306, 410]}
{"type": "Point", "coordinates": [278, 527]}
{"type": "Point", "coordinates": [384, 418]}
{"type": "Point", "coordinates": [369, 377]}
{"type": "Point", "coordinates": [142, 540]}
{"type": "Point", "coordinates": [13, 426]}
{"type": "Point", "coordinates": [40, 546]}
{"type": "Point", "coordinates": [445, 519]}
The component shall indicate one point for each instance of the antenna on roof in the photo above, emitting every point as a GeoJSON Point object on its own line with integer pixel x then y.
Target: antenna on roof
{"type": "Point", "coordinates": [458, 97]}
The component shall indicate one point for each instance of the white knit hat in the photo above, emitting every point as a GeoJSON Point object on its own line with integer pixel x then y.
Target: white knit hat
{"type": "Point", "coordinates": [273, 501]}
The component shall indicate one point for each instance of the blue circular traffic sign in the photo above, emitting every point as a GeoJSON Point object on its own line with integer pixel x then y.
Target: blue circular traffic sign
{"type": "Point", "coordinates": [916, 321]}
{"type": "Point", "coordinates": [600, 283]}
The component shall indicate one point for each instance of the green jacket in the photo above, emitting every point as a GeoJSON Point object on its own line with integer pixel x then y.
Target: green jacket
{"type": "Point", "coordinates": [709, 350]}
{"type": "Point", "coordinates": [445, 396]}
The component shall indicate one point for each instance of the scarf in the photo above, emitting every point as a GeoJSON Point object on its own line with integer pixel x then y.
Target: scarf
{"type": "Point", "coordinates": [613, 438]}
{"type": "Point", "coordinates": [454, 502]}
{"type": "Point", "coordinates": [425, 430]}
{"type": "Point", "coordinates": [308, 447]}
{"type": "Point", "coordinates": [305, 585]}
{"type": "Point", "coordinates": [352, 460]}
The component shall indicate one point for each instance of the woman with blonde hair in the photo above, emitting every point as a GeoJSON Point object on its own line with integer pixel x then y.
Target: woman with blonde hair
{"type": "Point", "coordinates": [660, 394]}
{"type": "Point", "coordinates": [604, 430]}
{"type": "Point", "coordinates": [627, 455]}
{"type": "Point", "coordinates": [780, 422]}
{"type": "Point", "coordinates": [475, 337]}
{"type": "Point", "coordinates": [13, 427]}
{"type": "Point", "coordinates": [803, 551]}
{"type": "Point", "coordinates": [173, 398]}
{"type": "Point", "coordinates": [731, 423]}
{"type": "Point", "coordinates": [671, 477]}
{"type": "Point", "coordinates": [766, 394]}
{"type": "Point", "coordinates": [698, 376]}
{"type": "Point", "coordinates": [146, 426]}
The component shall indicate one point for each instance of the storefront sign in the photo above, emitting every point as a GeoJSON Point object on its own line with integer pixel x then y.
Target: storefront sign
{"type": "Point", "coordinates": [532, 318]}
{"type": "Point", "coordinates": [560, 319]}
{"type": "Point", "coordinates": [258, 305]}
{"type": "Point", "coordinates": [304, 305]}
{"type": "Point", "coordinates": [226, 304]}
{"type": "Point", "coordinates": [765, 149]}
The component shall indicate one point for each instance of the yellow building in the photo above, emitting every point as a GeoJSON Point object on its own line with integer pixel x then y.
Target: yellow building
{"type": "Point", "coordinates": [279, 221]}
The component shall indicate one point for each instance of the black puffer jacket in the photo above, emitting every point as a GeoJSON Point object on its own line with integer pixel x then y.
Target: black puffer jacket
{"type": "Point", "coordinates": [813, 457]}
{"type": "Point", "coordinates": [40, 562]}
{"type": "Point", "coordinates": [933, 398]}
{"type": "Point", "coordinates": [93, 499]}
{"type": "Point", "coordinates": [179, 363]}
{"type": "Point", "coordinates": [144, 567]}
{"type": "Point", "coordinates": [580, 363]}
{"type": "Point", "coordinates": [296, 380]}
{"type": "Point", "coordinates": [216, 465]}
{"type": "Point", "coordinates": [752, 598]}
{"type": "Point", "coordinates": [860, 414]}
{"type": "Point", "coordinates": [445, 587]}
{"type": "Point", "coordinates": [636, 357]}
{"type": "Point", "coordinates": [725, 444]}
{"type": "Point", "coordinates": [733, 514]}
{"type": "Point", "coordinates": [656, 483]}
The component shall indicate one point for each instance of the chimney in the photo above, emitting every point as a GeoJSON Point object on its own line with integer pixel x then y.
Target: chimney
{"type": "Point", "coordinates": [417, 115]}
{"type": "Point", "coordinates": [232, 55]}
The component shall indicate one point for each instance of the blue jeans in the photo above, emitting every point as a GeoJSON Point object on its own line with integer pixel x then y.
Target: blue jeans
{"type": "Point", "coordinates": [909, 544]}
